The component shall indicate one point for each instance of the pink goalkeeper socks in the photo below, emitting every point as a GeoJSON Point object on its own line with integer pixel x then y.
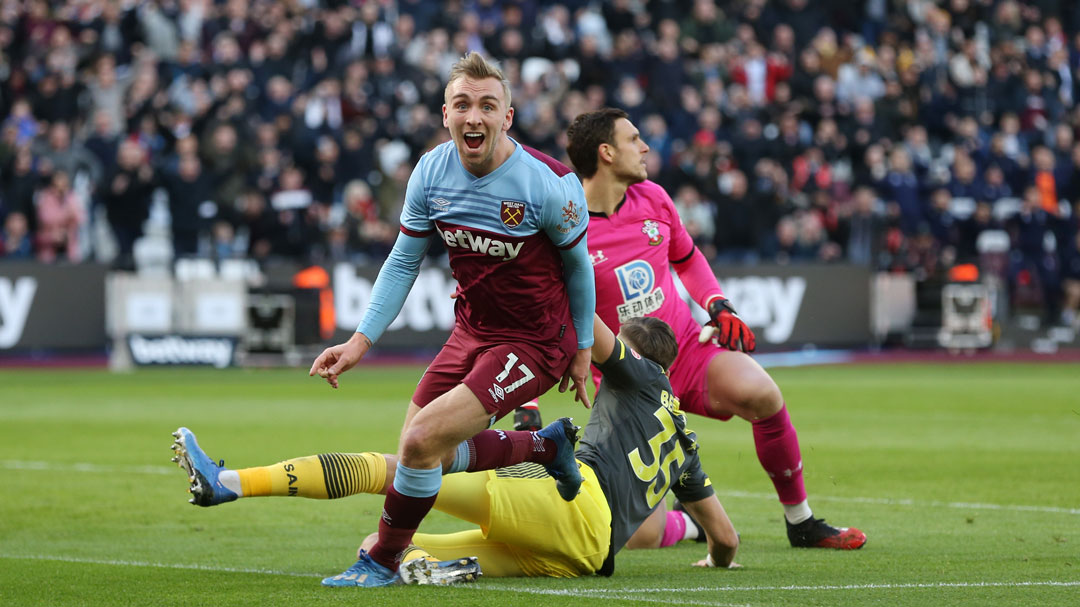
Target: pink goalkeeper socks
{"type": "Point", "coordinates": [778, 451]}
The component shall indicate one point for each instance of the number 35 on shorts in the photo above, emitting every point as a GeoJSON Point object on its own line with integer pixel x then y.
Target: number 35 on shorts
{"type": "Point", "coordinates": [499, 391]}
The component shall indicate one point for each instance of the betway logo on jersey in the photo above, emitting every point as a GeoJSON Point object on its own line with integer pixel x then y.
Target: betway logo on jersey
{"type": "Point", "coordinates": [465, 239]}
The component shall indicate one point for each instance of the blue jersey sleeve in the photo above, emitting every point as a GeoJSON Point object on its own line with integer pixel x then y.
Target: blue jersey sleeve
{"type": "Point", "coordinates": [415, 220]}
{"type": "Point", "coordinates": [393, 284]}
{"type": "Point", "coordinates": [564, 219]}
{"type": "Point", "coordinates": [580, 286]}
{"type": "Point", "coordinates": [564, 216]}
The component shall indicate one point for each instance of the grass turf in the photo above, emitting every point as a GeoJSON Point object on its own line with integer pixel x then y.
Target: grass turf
{"type": "Point", "coordinates": [963, 476]}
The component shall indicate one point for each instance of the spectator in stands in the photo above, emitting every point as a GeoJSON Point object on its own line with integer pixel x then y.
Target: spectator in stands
{"type": "Point", "coordinates": [790, 81]}
{"type": "Point", "coordinates": [736, 227]}
{"type": "Point", "coordinates": [126, 194]}
{"type": "Point", "coordinates": [1070, 275]}
{"type": "Point", "coordinates": [190, 202]}
{"type": "Point", "coordinates": [901, 187]}
{"type": "Point", "coordinates": [699, 217]}
{"type": "Point", "coordinates": [863, 227]}
{"type": "Point", "coordinates": [1032, 230]}
{"type": "Point", "coordinates": [15, 243]}
{"type": "Point", "coordinates": [61, 213]}
{"type": "Point", "coordinates": [968, 231]}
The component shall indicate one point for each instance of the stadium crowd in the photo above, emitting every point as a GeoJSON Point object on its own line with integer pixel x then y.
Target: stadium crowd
{"type": "Point", "coordinates": [885, 133]}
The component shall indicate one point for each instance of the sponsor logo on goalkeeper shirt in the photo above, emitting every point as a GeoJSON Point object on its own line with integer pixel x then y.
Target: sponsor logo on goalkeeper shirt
{"type": "Point", "coordinates": [637, 282]}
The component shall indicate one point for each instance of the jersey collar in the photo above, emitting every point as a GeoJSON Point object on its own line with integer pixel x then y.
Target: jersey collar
{"type": "Point", "coordinates": [479, 182]}
{"type": "Point", "coordinates": [603, 214]}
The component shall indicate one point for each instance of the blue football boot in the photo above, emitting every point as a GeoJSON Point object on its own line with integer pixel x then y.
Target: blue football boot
{"type": "Point", "coordinates": [206, 489]}
{"type": "Point", "coordinates": [564, 468]}
{"type": "Point", "coordinates": [365, 572]}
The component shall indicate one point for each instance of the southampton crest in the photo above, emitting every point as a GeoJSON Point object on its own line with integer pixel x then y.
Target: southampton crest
{"type": "Point", "coordinates": [652, 230]}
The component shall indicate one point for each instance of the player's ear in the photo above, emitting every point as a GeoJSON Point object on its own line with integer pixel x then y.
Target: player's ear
{"type": "Point", "coordinates": [509, 120]}
{"type": "Point", "coordinates": [445, 117]}
{"type": "Point", "coordinates": [606, 152]}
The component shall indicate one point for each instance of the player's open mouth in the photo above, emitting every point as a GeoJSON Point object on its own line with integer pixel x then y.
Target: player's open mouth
{"type": "Point", "coordinates": [474, 140]}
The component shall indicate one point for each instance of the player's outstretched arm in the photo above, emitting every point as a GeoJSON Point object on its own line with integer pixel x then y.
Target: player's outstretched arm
{"type": "Point", "coordinates": [338, 359]}
{"type": "Point", "coordinates": [723, 540]}
{"type": "Point", "coordinates": [603, 341]}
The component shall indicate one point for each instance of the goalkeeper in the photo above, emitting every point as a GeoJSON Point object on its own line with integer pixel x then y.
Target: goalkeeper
{"type": "Point", "coordinates": [635, 448]}
{"type": "Point", "coordinates": [636, 238]}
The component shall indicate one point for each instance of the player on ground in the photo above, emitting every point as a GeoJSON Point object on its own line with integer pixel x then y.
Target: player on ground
{"type": "Point", "coordinates": [635, 239]}
{"type": "Point", "coordinates": [514, 224]}
{"type": "Point", "coordinates": [636, 447]}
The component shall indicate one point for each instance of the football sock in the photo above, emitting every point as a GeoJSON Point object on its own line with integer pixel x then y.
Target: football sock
{"type": "Point", "coordinates": [414, 552]}
{"type": "Point", "coordinates": [675, 529]}
{"type": "Point", "coordinates": [492, 449]}
{"type": "Point", "coordinates": [323, 476]}
{"type": "Point", "coordinates": [408, 501]}
{"type": "Point", "coordinates": [778, 451]}
{"type": "Point", "coordinates": [797, 513]}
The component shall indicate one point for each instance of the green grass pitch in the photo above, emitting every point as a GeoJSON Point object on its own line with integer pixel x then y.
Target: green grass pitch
{"type": "Point", "coordinates": [963, 476]}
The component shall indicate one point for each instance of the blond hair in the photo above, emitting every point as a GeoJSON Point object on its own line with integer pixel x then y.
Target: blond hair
{"type": "Point", "coordinates": [474, 65]}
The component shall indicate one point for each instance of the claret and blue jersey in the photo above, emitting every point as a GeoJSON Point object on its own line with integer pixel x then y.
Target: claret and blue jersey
{"type": "Point", "coordinates": [503, 233]}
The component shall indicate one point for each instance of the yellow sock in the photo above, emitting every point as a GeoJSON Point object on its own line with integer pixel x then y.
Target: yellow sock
{"type": "Point", "coordinates": [414, 552]}
{"type": "Point", "coordinates": [323, 476]}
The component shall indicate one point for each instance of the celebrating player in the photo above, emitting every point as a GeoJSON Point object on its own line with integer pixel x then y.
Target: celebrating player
{"type": "Point", "coordinates": [514, 223]}
{"type": "Point", "coordinates": [636, 447]}
{"type": "Point", "coordinates": [635, 238]}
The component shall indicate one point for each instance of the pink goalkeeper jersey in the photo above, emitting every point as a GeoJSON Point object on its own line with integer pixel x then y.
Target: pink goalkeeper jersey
{"type": "Point", "coordinates": [631, 254]}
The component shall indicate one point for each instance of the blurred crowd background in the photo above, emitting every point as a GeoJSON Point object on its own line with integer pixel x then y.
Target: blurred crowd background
{"type": "Point", "coordinates": [908, 136]}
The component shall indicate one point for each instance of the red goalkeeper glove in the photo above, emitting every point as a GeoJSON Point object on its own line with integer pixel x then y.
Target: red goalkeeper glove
{"type": "Point", "coordinates": [728, 329]}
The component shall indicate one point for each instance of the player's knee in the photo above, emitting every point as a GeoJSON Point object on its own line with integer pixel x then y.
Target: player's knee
{"type": "Point", "coordinates": [760, 397]}
{"type": "Point", "coordinates": [418, 444]}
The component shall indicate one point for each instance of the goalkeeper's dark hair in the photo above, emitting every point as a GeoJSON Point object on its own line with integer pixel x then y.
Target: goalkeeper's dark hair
{"type": "Point", "coordinates": [651, 338]}
{"type": "Point", "coordinates": [585, 135]}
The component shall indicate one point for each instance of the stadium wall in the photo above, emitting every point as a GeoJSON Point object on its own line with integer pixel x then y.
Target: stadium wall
{"type": "Point", "coordinates": [84, 307]}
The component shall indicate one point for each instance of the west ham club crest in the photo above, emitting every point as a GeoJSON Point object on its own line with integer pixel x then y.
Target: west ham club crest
{"type": "Point", "coordinates": [512, 213]}
{"type": "Point", "coordinates": [652, 230]}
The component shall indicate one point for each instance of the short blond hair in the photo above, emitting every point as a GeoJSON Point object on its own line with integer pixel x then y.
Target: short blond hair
{"type": "Point", "coordinates": [474, 65]}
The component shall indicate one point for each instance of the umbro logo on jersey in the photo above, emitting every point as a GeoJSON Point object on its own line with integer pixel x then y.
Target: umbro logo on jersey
{"type": "Point", "coordinates": [464, 239]}
{"type": "Point", "coordinates": [440, 204]}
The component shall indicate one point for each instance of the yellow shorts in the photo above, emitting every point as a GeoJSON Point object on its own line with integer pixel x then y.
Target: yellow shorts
{"type": "Point", "coordinates": [527, 523]}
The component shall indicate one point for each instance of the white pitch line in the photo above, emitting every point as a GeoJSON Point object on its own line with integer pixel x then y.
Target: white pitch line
{"type": "Point", "coordinates": [599, 593]}
{"type": "Point", "coordinates": [589, 592]}
{"type": "Point", "coordinates": [125, 563]}
{"type": "Point", "coordinates": [885, 501]}
{"type": "Point", "coordinates": [12, 464]}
